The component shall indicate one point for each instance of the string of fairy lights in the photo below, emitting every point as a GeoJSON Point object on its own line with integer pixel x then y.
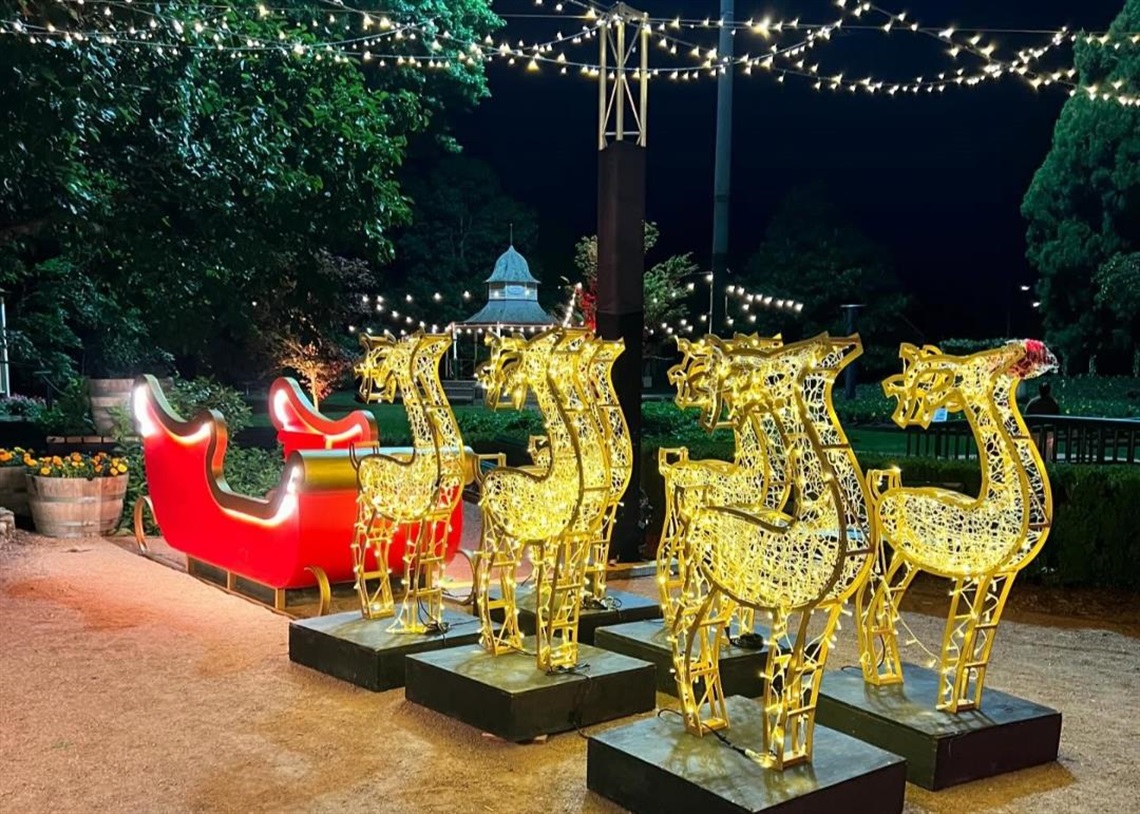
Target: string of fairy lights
{"type": "Point", "coordinates": [780, 48]}
{"type": "Point", "coordinates": [441, 49]}
{"type": "Point", "coordinates": [403, 314]}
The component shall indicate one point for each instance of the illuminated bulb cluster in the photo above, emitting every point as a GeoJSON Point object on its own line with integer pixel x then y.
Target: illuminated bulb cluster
{"type": "Point", "coordinates": [416, 491]}
{"type": "Point", "coordinates": [980, 543]}
{"type": "Point", "coordinates": [749, 303]}
{"type": "Point", "coordinates": [797, 556]}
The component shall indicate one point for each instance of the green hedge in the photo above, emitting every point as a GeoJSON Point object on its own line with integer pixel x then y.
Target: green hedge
{"type": "Point", "coordinates": [1094, 540]}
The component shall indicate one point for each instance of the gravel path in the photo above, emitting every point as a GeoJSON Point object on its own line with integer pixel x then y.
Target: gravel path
{"type": "Point", "coordinates": [127, 686]}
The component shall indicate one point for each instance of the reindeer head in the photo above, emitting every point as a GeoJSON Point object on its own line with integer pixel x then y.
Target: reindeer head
{"type": "Point", "coordinates": [932, 380]}
{"type": "Point", "coordinates": [699, 378]}
{"type": "Point", "coordinates": [383, 357]}
{"type": "Point", "coordinates": [502, 375]}
{"type": "Point", "coordinates": [765, 372]}
{"type": "Point", "coordinates": [1033, 359]}
{"type": "Point", "coordinates": [608, 351]}
{"type": "Point", "coordinates": [515, 366]}
{"type": "Point", "coordinates": [929, 382]}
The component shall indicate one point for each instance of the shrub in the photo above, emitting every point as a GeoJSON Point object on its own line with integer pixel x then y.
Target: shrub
{"type": "Point", "coordinates": [26, 407]}
{"type": "Point", "coordinates": [252, 471]}
{"type": "Point", "coordinates": [190, 396]}
{"type": "Point", "coordinates": [479, 424]}
{"type": "Point", "coordinates": [71, 413]}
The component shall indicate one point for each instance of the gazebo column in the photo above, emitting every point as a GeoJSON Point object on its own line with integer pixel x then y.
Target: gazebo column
{"type": "Point", "coordinates": [621, 308]}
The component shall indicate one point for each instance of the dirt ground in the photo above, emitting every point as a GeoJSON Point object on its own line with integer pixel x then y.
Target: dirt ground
{"type": "Point", "coordinates": [128, 686]}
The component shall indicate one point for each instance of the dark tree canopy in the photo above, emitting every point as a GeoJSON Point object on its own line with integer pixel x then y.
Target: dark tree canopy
{"type": "Point", "coordinates": [191, 189]}
{"type": "Point", "coordinates": [1118, 293]}
{"type": "Point", "coordinates": [812, 255]}
{"type": "Point", "coordinates": [461, 222]}
{"type": "Point", "coordinates": [1083, 206]}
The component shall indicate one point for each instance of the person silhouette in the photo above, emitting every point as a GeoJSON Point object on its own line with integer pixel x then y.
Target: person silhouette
{"type": "Point", "coordinates": [1043, 403]}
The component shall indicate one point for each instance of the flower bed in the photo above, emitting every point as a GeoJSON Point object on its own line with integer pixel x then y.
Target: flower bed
{"type": "Point", "coordinates": [13, 483]}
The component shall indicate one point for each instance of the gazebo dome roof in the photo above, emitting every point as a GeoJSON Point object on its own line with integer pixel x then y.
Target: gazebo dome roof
{"type": "Point", "coordinates": [511, 267]}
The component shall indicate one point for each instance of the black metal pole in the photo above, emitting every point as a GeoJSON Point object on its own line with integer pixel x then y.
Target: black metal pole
{"type": "Point", "coordinates": [722, 172]}
{"type": "Point", "coordinates": [621, 308]}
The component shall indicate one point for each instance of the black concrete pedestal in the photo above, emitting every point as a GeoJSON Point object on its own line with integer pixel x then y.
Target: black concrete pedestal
{"type": "Point", "coordinates": [741, 670]}
{"type": "Point", "coordinates": [363, 652]}
{"type": "Point", "coordinates": [942, 749]}
{"type": "Point", "coordinates": [654, 766]}
{"type": "Point", "coordinates": [510, 697]}
{"type": "Point", "coordinates": [622, 607]}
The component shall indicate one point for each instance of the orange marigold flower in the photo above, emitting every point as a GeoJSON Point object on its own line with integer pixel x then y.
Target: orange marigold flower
{"type": "Point", "coordinates": [46, 470]}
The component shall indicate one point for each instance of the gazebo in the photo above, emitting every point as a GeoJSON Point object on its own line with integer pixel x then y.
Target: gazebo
{"type": "Point", "coordinates": [512, 305]}
{"type": "Point", "coordinates": [512, 299]}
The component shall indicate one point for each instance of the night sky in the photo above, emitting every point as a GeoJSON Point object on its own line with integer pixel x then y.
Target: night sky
{"type": "Point", "coordinates": [938, 179]}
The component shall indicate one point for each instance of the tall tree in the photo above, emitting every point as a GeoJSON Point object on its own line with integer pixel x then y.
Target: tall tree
{"type": "Point", "coordinates": [1083, 205]}
{"type": "Point", "coordinates": [811, 254]}
{"type": "Point", "coordinates": [195, 182]}
{"type": "Point", "coordinates": [461, 222]}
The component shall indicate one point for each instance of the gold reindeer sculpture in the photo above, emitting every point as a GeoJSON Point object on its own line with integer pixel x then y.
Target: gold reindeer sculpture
{"type": "Point", "coordinates": [618, 447]}
{"type": "Point", "coordinates": [980, 543]}
{"type": "Point", "coordinates": [555, 506]}
{"type": "Point", "coordinates": [418, 490]}
{"type": "Point", "coordinates": [756, 477]}
{"type": "Point", "coordinates": [800, 565]}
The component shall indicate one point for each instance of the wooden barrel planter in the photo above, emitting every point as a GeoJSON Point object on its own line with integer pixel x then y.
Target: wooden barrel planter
{"type": "Point", "coordinates": [106, 394]}
{"type": "Point", "coordinates": [14, 489]}
{"type": "Point", "coordinates": [76, 507]}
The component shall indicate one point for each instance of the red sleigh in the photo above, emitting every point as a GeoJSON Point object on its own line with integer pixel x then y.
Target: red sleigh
{"type": "Point", "coordinates": [304, 528]}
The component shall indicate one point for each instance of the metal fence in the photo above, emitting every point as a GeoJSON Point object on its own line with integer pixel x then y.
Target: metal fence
{"type": "Point", "coordinates": [1064, 439]}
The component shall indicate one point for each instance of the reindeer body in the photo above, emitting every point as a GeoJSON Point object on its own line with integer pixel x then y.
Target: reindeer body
{"type": "Point", "coordinates": [978, 542]}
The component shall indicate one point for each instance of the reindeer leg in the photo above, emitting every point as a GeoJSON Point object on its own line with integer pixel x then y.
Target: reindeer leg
{"type": "Point", "coordinates": [877, 605]}
{"type": "Point", "coordinates": [561, 579]}
{"type": "Point", "coordinates": [700, 617]}
{"type": "Point", "coordinates": [496, 553]}
{"type": "Point", "coordinates": [670, 547]}
{"type": "Point", "coordinates": [432, 561]}
{"type": "Point", "coordinates": [546, 573]}
{"type": "Point", "coordinates": [423, 560]}
{"type": "Point", "coordinates": [375, 535]}
{"type": "Point", "coordinates": [976, 606]}
{"type": "Point", "coordinates": [599, 559]}
{"type": "Point", "coordinates": [794, 672]}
